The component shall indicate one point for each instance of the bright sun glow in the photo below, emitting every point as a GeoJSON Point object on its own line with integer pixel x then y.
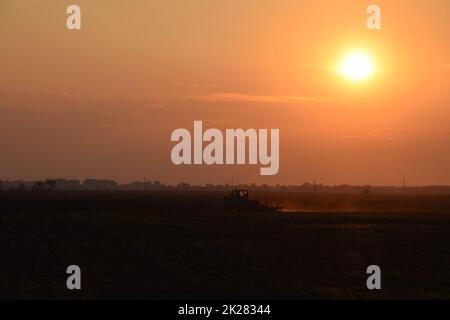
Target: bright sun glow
{"type": "Point", "coordinates": [356, 66]}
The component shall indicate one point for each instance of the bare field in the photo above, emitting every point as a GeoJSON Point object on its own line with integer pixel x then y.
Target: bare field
{"type": "Point", "coordinates": [182, 245]}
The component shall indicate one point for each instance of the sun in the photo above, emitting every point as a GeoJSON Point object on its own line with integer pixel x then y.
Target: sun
{"type": "Point", "coordinates": [356, 66]}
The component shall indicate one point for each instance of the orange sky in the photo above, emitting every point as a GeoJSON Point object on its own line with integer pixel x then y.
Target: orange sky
{"type": "Point", "coordinates": [102, 102]}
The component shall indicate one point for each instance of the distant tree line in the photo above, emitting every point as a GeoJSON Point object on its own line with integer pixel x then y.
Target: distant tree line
{"type": "Point", "coordinates": [105, 184]}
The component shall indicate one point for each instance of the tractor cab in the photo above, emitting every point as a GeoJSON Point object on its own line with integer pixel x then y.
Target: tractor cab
{"type": "Point", "coordinates": [238, 201]}
{"type": "Point", "coordinates": [239, 194]}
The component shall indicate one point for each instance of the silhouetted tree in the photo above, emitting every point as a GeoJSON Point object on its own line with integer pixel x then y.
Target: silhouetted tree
{"type": "Point", "coordinates": [50, 184]}
{"type": "Point", "coordinates": [183, 185]}
{"type": "Point", "coordinates": [21, 187]}
{"type": "Point", "coordinates": [38, 186]}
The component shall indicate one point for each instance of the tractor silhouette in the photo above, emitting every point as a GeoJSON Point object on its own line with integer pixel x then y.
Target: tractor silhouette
{"type": "Point", "coordinates": [238, 201]}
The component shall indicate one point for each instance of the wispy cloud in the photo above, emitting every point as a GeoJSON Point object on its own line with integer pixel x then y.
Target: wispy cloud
{"type": "Point", "coordinates": [329, 134]}
{"type": "Point", "coordinates": [238, 97]}
{"type": "Point", "coordinates": [388, 134]}
{"type": "Point", "coordinates": [445, 66]}
{"type": "Point", "coordinates": [402, 134]}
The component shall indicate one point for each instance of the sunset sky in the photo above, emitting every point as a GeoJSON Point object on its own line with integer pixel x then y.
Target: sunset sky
{"type": "Point", "coordinates": [102, 101]}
